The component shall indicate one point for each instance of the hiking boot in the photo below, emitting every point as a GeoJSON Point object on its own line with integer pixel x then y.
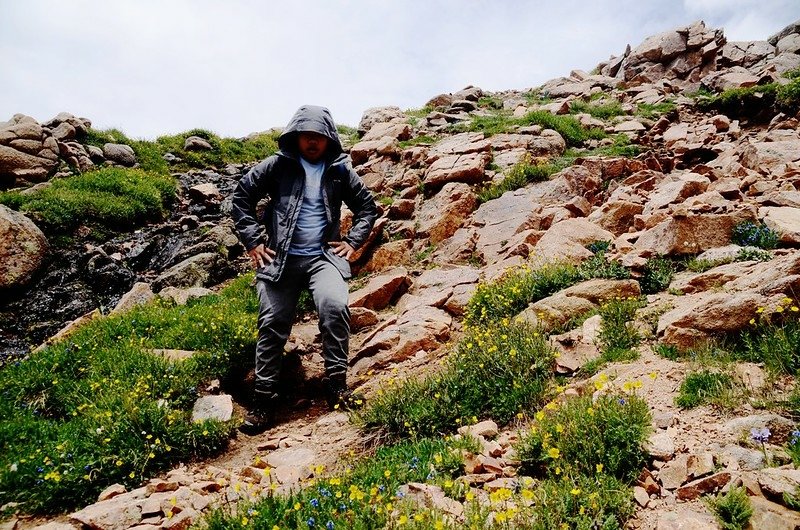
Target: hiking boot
{"type": "Point", "coordinates": [339, 397]}
{"type": "Point", "coordinates": [261, 415]}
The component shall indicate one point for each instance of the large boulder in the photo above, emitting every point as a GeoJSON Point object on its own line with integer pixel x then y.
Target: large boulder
{"type": "Point", "coordinates": [441, 216]}
{"type": "Point", "coordinates": [567, 240]}
{"type": "Point", "coordinates": [375, 115]}
{"type": "Point", "coordinates": [120, 154]}
{"type": "Point", "coordinates": [23, 248]}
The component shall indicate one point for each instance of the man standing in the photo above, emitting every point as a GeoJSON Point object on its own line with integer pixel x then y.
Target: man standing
{"type": "Point", "coordinates": [300, 246]}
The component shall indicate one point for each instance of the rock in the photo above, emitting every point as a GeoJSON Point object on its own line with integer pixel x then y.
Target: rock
{"type": "Point", "coordinates": [640, 496]}
{"type": "Point", "coordinates": [381, 290]}
{"type": "Point", "coordinates": [69, 329]}
{"type": "Point", "coordinates": [700, 464]}
{"type": "Point", "coordinates": [467, 168]}
{"type": "Point", "coordinates": [775, 423]}
{"type": "Point", "coordinates": [675, 472]}
{"type": "Point", "coordinates": [205, 192]}
{"type": "Point", "coordinates": [676, 191]}
{"type": "Point", "coordinates": [461, 144]}
{"type": "Point", "coordinates": [120, 154]}
{"type": "Point", "coordinates": [361, 317]}
{"type": "Point", "coordinates": [23, 248]}
{"type": "Point", "coordinates": [567, 240]}
{"type": "Point", "coordinates": [703, 486]}
{"type": "Point", "coordinates": [432, 497]}
{"type": "Point", "coordinates": [122, 511]}
{"type": "Point", "coordinates": [663, 420]}
{"type": "Point", "coordinates": [196, 143]}
{"type": "Point", "coordinates": [111, 492]}
{"type": "Point", "coordinates": [577, 347]}
{"type": "Point", "coordinates": [375, 115]}
{"type": "Point", "coordinates": [775, 482]}
{"type": "Point", "coordinates": [616, 216]}
{"type": "Point", "coordinates": [772, 516]}
{"type": "Point", "coordinates": [783, 220]}
{"type": "Point", "coordinates": [195, 271]}
{"type": "Point", "coordinates": [181, 296]}
{"type": "Point", "coordinates": [751, 375]}
{"type": "Point", "coordinates": [736, 457]}
{"type": "Point", "coordinates": [293, 457]}
{"type": "Point", "coordinates": [487, 429]}
{"type": "Point", "coordinates": [441, 216]}
{"type": "Point", "coordinates": [690, 234]}
{"type": "Point", "coordinates": [363, 151]}
{"type": "Point", "coordinates": [388, 255]}
{"type": "Point", "coordinates": [139, 294]}
{"type": "Point", "coordinates": [172, 354]}
{"type": "Point", "coordinates": [218, 408]}
{"type": "Point", "coordinates": [685, 519]}
{"type": "Point", "coordinates": [394, 129]}
{"type": "Point", "coordinates": [660, 446]}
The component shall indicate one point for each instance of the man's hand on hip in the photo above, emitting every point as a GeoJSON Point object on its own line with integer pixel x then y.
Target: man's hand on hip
{"type": "Point", "coordinates": [261, 256]}
{"type": "Point", "coordinates": [342, 249]}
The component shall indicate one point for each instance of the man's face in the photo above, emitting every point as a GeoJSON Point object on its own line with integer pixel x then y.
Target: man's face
{"type": "Point", "coordinates": [312, 145]}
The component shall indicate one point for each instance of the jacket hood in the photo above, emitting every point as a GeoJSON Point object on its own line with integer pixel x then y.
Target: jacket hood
{"type": "Point", "coordinates": [310, 118]}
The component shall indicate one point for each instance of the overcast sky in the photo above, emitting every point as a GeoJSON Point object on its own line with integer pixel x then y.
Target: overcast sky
{"type": "Point", "coordinates": [152, 67]}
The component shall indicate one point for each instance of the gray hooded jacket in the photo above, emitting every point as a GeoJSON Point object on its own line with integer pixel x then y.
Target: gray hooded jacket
{"type": "Point", "coordinates": [281, 179]}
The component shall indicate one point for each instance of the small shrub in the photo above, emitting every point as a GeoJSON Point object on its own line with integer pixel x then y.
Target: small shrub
{"type": "Point", "coordinates": [703, 387]}
{"type": "Point", "coordinates": [650, 111]}
{"type": "Point", "coordinates": [703, 265]}
{"type": "Point", "coordinates": [518, 360]}
{"type": "Point", "coordinates": [752, 254]}
{"type": "Point", "coordinates": [657, 275]}
{"type": "Point", "coordinates": [590, 437]}
{"type": "Point", "coordinates": [750, 234]}
{"type": "Point", "coordinates": [617, 336]}
{"type": "Point", "coordinates": [732, 509]}
{"type": "Point", "coordinates": [668, 351]}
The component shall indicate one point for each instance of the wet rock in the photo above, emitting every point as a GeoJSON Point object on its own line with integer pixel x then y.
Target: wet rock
{"type": "Point", "coordinates": [195, 271]}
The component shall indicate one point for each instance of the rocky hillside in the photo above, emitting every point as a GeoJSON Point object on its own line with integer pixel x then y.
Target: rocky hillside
{"type": "Point", "coordinates": [669, 176]}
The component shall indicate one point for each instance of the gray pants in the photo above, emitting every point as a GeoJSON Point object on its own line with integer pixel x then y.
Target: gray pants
{"type": "Point", "coordinates": [277, 308]}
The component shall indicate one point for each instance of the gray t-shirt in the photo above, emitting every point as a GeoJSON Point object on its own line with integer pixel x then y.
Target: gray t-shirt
{"type": "Point", "coordinates": [311, 222]}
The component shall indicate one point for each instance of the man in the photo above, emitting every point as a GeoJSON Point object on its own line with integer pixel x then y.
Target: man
{"type": "Point", "coordinates": [300, 245]}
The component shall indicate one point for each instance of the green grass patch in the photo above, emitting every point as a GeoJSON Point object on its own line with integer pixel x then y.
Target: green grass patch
{"type": "Point", "coordinates": [768, 98]}
{"type": "Point", "coordinates": [418, 140]}
{"type": "Point", "coordinates": [495, 372]}
{"type": "Point", "coordinates": [113, 198]}
{"type": "Point", "coordinates": [653, 111]}
{"type": "Point", "coordinates": [567, 126]}
{"type": "Point", "coordinates": [99, 408]}
{"type": "Point", "coordinates": [363, 496]}
{"type": "Point", "coordinates": [602, 109]}
{"type": "Point", "coordinates": [604, 436]}
{"type": "Point", "coordinates": [703, 387]}
{"type": "Point", "coordinates": [732, 509]}
{"type": "Point", "coordinates": [225, 150]}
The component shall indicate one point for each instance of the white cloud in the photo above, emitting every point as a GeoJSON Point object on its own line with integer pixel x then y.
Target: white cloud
{"type": "Point", "coordinates": [153, 67]}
